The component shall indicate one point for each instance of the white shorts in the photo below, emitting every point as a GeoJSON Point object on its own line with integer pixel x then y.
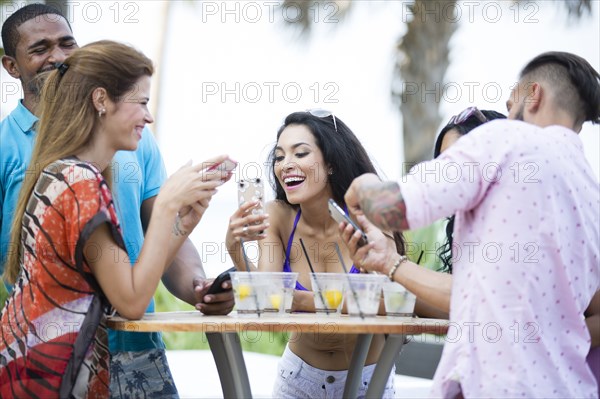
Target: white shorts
{"type": "Point", "coordinates": [297, 379]}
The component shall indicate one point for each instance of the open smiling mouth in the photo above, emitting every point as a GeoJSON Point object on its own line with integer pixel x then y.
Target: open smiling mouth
{"type": "Point", "coordinates": [293, 181]}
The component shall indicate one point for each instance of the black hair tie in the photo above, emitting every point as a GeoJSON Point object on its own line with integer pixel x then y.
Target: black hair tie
{"type": "Point", "coordinates": [62, 68]}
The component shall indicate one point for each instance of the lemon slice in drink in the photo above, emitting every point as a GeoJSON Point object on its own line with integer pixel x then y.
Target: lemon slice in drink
{"type": "Point", "coordinates": [396, 300]}
{"type": "Point", "coordinates": [275, 300]}
{"type": "Point", "coordinates": [333, 298]}
{"type": "Point", "coordinates": [244, 290]}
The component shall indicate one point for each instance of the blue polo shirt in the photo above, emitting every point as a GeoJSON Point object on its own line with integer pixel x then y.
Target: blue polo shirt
{"type": "Point", "coordinates": [137, 176]}
{"type": "Point", "coordinates": [16, 145]}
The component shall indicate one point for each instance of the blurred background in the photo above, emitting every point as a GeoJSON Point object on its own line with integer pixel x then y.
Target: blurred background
{"type": "Point", "coordinates": [394, 71]}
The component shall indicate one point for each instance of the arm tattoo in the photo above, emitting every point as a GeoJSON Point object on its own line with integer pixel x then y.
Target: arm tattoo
{"type": "Point", "coordinates": [177, 230]}
{"type": "Point", "coordinates": [384, 206]}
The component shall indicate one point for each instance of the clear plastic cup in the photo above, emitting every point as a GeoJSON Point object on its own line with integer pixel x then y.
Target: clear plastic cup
{"type": "Point", "coordinates": [363, 293]}
{"type": "Point", "coordinates": [328, 289]}
{"type": "Point", "coordinates": [399, 302]}
{"type": "Point", "coordinates": [278, 291]}
{"type": "Point", "coordinates": [248, 287]}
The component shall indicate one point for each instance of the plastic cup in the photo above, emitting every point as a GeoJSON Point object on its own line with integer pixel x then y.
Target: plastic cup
{"type": "Point", "coordinates": [399, 302]}
{"type": "Point", "coordinates": [328, 289]}
{"type": "Point", "coordinates": [248, 288]}
{"type": "Point", "coordinates": [278, 291]}
{"type": "Point", "coordinates": [363, 293]}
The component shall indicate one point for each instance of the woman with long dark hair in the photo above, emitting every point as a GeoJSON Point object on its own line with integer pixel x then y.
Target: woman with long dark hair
{"type": "Point", "coordinates": [457, 127]}
{"type": "Point", "coordinates": [316, 157]}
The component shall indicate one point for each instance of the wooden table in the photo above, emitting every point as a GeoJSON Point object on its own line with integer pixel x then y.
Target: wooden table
{"type": "Point", "coordinates": [222, 334]}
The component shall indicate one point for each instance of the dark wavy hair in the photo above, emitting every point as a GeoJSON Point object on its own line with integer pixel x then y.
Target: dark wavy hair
{"type": "Point", "coordinates": [445, 251]}
{"type": "Point", "coordinates": [342, 151]}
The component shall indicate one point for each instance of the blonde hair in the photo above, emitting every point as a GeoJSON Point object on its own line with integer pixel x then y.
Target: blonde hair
{"type": "Point", "coordinates": [68, 118]}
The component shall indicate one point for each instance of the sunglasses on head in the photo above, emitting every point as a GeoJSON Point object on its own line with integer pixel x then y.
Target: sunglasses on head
{"type": "Point", "coordinates": [322, 113]}
{"type": "Point", "coordinates": [466, 114]}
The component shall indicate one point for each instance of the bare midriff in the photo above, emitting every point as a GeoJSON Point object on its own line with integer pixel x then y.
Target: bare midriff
{"type": "Point", "coordinates": [331, 351]}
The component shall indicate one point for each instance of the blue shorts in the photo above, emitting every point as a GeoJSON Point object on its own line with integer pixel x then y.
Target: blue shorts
{"type": "Point", "coordinates": [297, 379]}
{"type": "Point", "coordinates": [141, 374]}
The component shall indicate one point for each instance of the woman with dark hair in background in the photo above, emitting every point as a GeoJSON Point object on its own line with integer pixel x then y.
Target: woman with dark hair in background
{"type": "Point", "coordinates": [458, 126]}
{"type": "Point", "coordinates": [432, 288]}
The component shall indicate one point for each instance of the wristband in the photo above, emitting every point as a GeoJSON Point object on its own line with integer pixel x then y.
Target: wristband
{"type": "Point", "coordinates": [393, 269]}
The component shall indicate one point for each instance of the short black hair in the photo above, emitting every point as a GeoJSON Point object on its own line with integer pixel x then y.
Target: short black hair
{"type": "Point", "coordinates": [10, 33]}
{"type": "Point", "coordinates": [575, 81]}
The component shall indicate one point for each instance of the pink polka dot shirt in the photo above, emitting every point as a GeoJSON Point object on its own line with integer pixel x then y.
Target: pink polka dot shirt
{"type": "Point", "coordinates": [526, 259]}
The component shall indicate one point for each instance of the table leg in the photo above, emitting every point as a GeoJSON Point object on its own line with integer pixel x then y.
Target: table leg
{"type": "Point", "coordinates": [393, 345]}
{"type": "Point", "coordinates": [359, 355]}
{"type": "Point", "coordinates": [227, 352]}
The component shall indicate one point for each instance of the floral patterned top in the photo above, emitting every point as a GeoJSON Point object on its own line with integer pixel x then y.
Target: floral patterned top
{"type": "Point", "coordinates": [53, 340]}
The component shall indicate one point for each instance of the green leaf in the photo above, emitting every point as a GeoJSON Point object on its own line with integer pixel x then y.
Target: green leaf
{"type": "Point", "coordinates": [3, 294]}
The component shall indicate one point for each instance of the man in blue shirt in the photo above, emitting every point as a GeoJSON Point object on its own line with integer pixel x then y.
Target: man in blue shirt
{"type": "Point", "coordinates": [35, 38]}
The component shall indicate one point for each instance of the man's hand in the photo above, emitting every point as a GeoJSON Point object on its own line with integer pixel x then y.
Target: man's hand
{"type": "Point", "coordinates": [214, 304]}
{"type": "Point", "coordinates": [381, 202]}
{"type": "Point", "coordinates": [354, 194]}
{"type": "Point", "coordinates": [377, 254]}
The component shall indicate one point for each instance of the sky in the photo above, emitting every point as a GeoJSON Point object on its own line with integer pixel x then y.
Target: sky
{"type": "Point", "coordinates": [232, 71]}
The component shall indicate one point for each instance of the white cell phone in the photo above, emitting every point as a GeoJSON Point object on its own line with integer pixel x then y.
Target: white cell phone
{"type": "Point", "coordinates": [340, 216]}
{"type": "Point", "coordinates": [251, 190]}
{"type": "Point", "coordinates": [228, 165]}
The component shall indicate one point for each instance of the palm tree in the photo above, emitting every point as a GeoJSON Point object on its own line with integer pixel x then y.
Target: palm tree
{"type": "Point", "coordinates": [116, 368]}
{"type": "Point", "coordinates": [422, 60]}
{"type": "Point", "coordinates": [425, 44]}
{"type": "Point", "coordinates": [153, 357]}
{"type": "Point", "coordinates": [140, 379]}
{"type": "Point", "coordinates": [130, 387]}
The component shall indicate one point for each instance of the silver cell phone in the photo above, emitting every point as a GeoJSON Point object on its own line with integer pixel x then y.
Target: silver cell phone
{"type": "Point", "coordinates": [340, 216]}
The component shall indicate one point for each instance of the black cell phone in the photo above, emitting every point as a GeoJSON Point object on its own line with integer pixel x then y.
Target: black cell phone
{"type": "Point", "coordinates": [217, 285]}
{"type": "Point", "coordinates": [340, 216]}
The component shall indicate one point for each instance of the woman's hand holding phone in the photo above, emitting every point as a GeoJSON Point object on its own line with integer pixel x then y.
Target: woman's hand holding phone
{"type": "Point", "coordinates": [249, 222]}
{"type": "Point", "coordinates": [208, 180]}
{"type": "Point", "coordinates": [220, 168]}
{"type": "Point", "coordinates": [246, 225]}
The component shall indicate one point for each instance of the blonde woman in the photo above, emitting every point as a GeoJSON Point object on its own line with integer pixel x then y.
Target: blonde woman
{"type": "Point", "coordinates": [70, 265]}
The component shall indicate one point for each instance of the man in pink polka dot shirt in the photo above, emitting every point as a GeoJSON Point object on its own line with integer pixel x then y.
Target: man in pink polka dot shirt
{"type": "Point", "coordinates": [526, 251]}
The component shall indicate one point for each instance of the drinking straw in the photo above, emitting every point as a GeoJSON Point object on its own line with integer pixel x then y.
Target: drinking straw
{"type": "Point", "coordinates": [315, 277]}
{"type": "Point", "coordinates": [250, 276]}
{"type": "Point", "coordinates": [420, 256]}
{"type": "Point", "coordinates": [337, 249]}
